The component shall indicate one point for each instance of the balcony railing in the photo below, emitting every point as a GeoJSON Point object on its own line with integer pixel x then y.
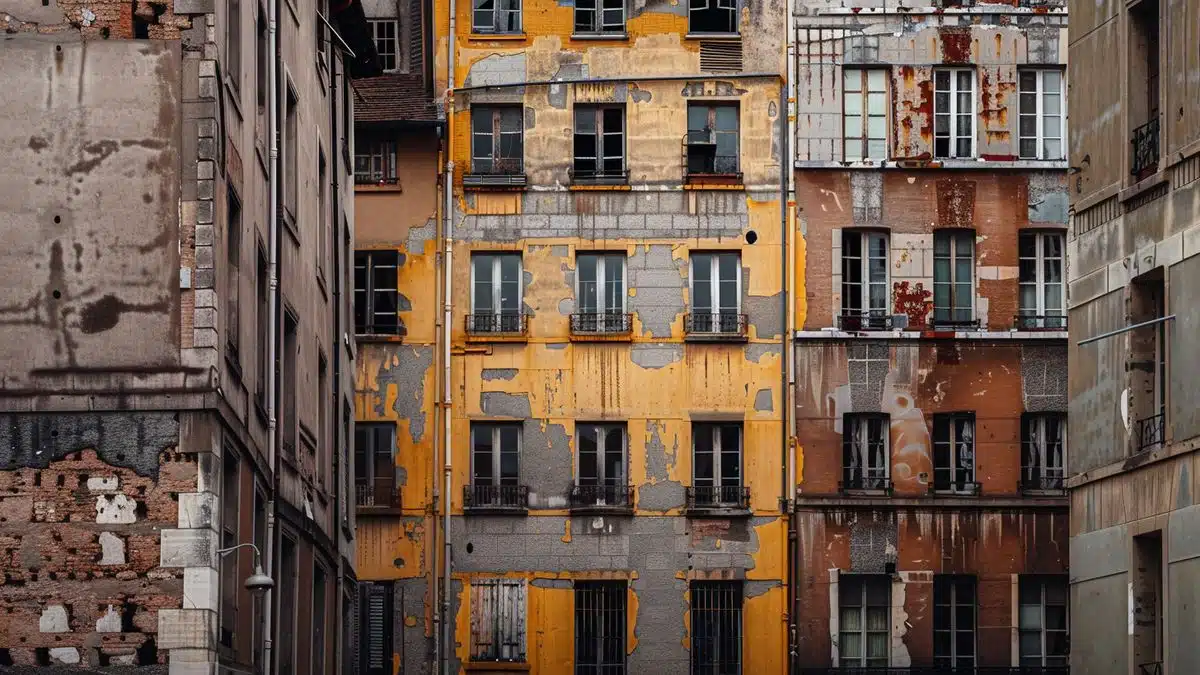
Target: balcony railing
{"type": "Point", "coordinates": [860, 480]}
{"type": "Point", "coordinates": [1034, 322]}
{"type": "Point", "coordinates": [1039, 479]}
{"type": "Point", "coordinates": [1144, 140]}
{"type": "Point", "coordinates": [601, 324]}
{"type": "Point", "coordinates": [601, 497]}
{"type": "Point", "coordinates": [940, 670]}
{"type": "Point", "coordinates": [497, 324]}
{"type": "Point", "coordinates": [946, 485]}
{"type": "Point", "coordinates": [874, 319]}
{"type": "Point", "coordinates": [941, 322]}
{"type": "Point", "coordinates": [718, 498]}
{"type": "Point", "coordinates": [718, 326]}
{"type": "Point", "coordinates": [598, 177]}
{"type": "Point", "coordinates": [500, 173]}
{"type": "Point", "coordinates": [1150, 432]}
{"type": "Point", "coordinates": [500, 498]}
{"type": "Point", "coordinates": [379, 494]}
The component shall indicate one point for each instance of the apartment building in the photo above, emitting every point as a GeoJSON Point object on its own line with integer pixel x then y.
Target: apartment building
{"type": "Point", "coordinates": [599, 402]}
{"type": "Point", "coordinates": [1135, 200]}
{"type": "Point", "coordinates": [177, 391]}
{"type": "Point", "coordinates": [931, 187]}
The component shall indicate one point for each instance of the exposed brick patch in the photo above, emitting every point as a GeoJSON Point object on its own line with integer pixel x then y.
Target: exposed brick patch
{"type": "Point", "coordinates": [107, 19]}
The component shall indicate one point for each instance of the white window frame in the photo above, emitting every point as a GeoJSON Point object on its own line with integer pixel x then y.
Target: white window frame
{"type": "Point", "coordinates": [395, 40]}
{"type": "Point", "coordinates": [953, 237]}
{"type": "Point", "coordinates": [1039, 114]}
{"type": "Point", "coordinates": [861, 661]}
{"type": "Point", "coordinates": [863, 94]}
{"type": "Point", "coordinates": [1039, 281]}
{"type": "Point", "coordinates": [497, 257]}
{"type": "Point", "coordinates": [496, 428]}
{"type": "Point", "coordinates": [856, 430]}
{"type": "Point", "coordinates": [715, 282]}
{"type": "Point", "coordinates": [865, 238]}
{"type": "Point", "coordinates": [954, 132]}
{"type": "Point", "coordinates": [1037, 441]}
{"type": "Point", "coordinates": [601, 429]}
{"type": "Point", "coordinates": [603, 258]}
{"type": "Point", "coordinates": [1041, 630]}
{"type": "Point", "coordinates": [956, 469]}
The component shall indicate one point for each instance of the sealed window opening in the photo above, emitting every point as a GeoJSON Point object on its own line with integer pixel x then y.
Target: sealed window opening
{"type": "Point", "coordinates": [386, 33]}
{"type": "Point", "coordinates": [260, 61]}
{"type": "Point", "coordinates": [1043, 451]}
{"type": "Point", "coordinates": [496, 293]}
{"type": "Point", "coordinates": [599, 145]}
{"type": "Point", "coordinates": [865, 111]}
{"type": "Point", "coordinates": [713, 17]}
{"type": "Point", "coordinates": [865, 456]}
{"type": "Point", "coordinates": [291, 149]}
{"type": "Point", "coordinates": [954, 453]}
{"type": "Point", "coordinates": [376, 604]}
{"type": "Point", "coordinates": [1043, 114]}
{"type": "Point", "coordinates": [712, 139]}
{"type": "Point", "coordinates": [600, 17]}
{"type": "Point", "coordinates": [376, 293]}
{"type": "Point", "coordinates": [954, 611]}
{"type": "Point", "coordinates": [717, 465]}
{"type": "Point", "coordinates": [716, 623]}
{"type": "Point", "coordinates": [865, 287]}
{"type": "Point", "coordinates": [375, 464]}
{"type": "Point", "coordinates": [864, 620]}
{"type": "Point", "coordinates": [953, 277]}
{"type": "Point", "coordinates": [375, 163]}
{"type": "Point", "coordinates": [600, 627]}
{"type": "Point", "coordinates": [496, 16]}
{"type": "Point", "coordinates": [1042, 291]}
{"type": "Point", "coordinates": [498, 620]}
{"type": "Point", "coordinates": [497, 140]}
{"type": "Point", "coordinates": [954, 113]}
{"type": "Point", "coordinates": [1042, 620]}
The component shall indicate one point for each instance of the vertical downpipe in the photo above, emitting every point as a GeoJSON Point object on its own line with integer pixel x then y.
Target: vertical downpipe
{"type": "Point", "coordinates": [435, 491]}
{"type": "Point", "coordinates": [272, 309]}
{"type": "Point", "coordinates": [447, 321]}
{"type": "Point", "coordinates": [790, 218]}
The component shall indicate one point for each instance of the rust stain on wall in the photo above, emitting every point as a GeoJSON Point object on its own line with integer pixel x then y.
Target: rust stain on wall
{"type": "Point", "coordinates": [956, 44]}
{"type": "Point", "coordinates": [912, 300]}
{"type": "Point", "coordinates": [955, 202]}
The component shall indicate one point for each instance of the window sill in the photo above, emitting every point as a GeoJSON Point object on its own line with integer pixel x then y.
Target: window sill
{"type": "Point", "coordinates": [496, 510]}
{"type": "Point", "coordinates": [598, 187]}
{"type": "Point", "coordinates": [718, 512]}
{"type": "Point", "coordinates": [488, 666]}
{"type": "Point", "coordinates": [378, 510]}
{"type": "Point", "coordinates": [594, 37]}
{"type": "Point", "coordinates": [713, 182]}
{"type": "Point", "coordinates": [379, 337]}
{"type": "Point", "coordinates": [510, 37]}
{"type": "Point", "coordinates": [493, 337]}
{"type": "Point", "coordinates": [602, 337]}
{"type": "Point", "coordinates": [1145, 185]}
{"type": "Point", "coordinates": [603, 509]}
{"type": "Point", "coordinates": [377, 187]}
{"type": "Point", "coordinates": [712, 36]}
{"type": "Point", "coordinates": [716, 337]}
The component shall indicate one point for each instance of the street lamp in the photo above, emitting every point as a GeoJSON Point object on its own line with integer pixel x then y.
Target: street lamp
{"type": "Point", "coordinates": [257, 583]}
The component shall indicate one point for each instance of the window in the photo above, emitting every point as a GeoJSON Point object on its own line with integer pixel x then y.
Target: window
{"type": "Point", "coordinates": [865, 296]}
{"type": "Point", "coordinates": [716, 623]}
{"type": "Point", "coordinates": [713, 16]}
{"type": "Point", "coordinates": [600, 627]}
{"type": "Point", "coordinates": [496, 16]}
{"type": "Point", "coordinates": [324, 400]}
{"type": "Point", "coordinates": [1041, 281]}
{"type": "Point", "coordinates": [717, 466]}
{"type": "Point", "coordinates": [291, 350]}
{"type": "Point", "coordinates": [387, 43]}
{"type": "Point", "coordinates": [600, 296]}
{"type": "Point", "coordinates": [1043, 450]}
{"type": "Point", "coordinates": [953, 277]}
{"type": "Point", "coordinates": [261, 60]}
{"type": "Point", "coordinates": [1043, 117]}
{"type": "Point", "coordinates": [496, 467]}
{"type": "Point", "coordinates": [318, 620]}
{"type": "Point", "coordinates": [1148, 347]}
{"type": "Point", "coordinates": [375, 163]}
{"type": "Point", "coordinates": [1043, 620]}
{"type": "Point", "coordinates": [285, 647]}
{"type": "Point", "coordinates": [498, 620]}
{"type": "Point", "coordinates": [599, 17]}
{"type": "Point", "coordinates": [375, 603]}
{"type": "Point", "coordinates": [233, 277]}
{"type": "Point", "coordinates": [712, 138]}
{"type": "Point", "coordinates": [953, 621]}
{"type": "Point", "coordinates": [865, 457]}
{"type": "Point", "coordinates": [864, 101]}
{"type": "Point", "coordinates": [1143, 100]}
{"type": "Point", "coordinates": [601, 477]}
{"type": "Point", "coordinates": [716, 293]}
{"type": "Point", "coordinates": [954, 453]}
{"type": "Point", "coordinates": [1147, 604]}
{"type": "Point", "coordinates": [291, 149]}
{"type": "Point", "coordinates": [497, 140]}
{"type": "Point", "coordinates": [495, 293]}
{"type": "Point", "coordinates": [323, 206]}
{"type": "Point", "coordinates": [230, 583]}
{"type": "Point", "coordinates": [599, 144]}
{"type": "Point", "coordinates": [376, 295]}
{"type": "Point", "coordinates": [264, 326]}
{"type": "Point", "coordinates": [375, 463]}
{"type": "Point", "coordinates": [954, 113]}
{"type": "Point", "coordinates": [233, 44]}
{"type": "Point", "coordinates": [322, 39]}
{"type": "Point", "coordinates": [864, 620]}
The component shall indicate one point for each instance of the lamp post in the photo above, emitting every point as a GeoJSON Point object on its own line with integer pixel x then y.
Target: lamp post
{"type": "Point", "coordinates": [257, 583]}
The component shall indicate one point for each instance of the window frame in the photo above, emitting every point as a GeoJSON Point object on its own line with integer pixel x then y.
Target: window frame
{"type": "Point", "coordinates": [498, 164]}
{"type": "Point", "coordinates": [712, 106]}
{"type": "Point", "coordinates": [603, 260]}
{"type": "Point", "coordinates": [601, 479]}
{"type": "Point", "coordinates": [233, 275]}
{"type": "Point", "coordinates": [496, 12]}
{"type": "Point", "coordinates": [370, 293]}
{"type": "Point", "coordinates": [384, 591]}
{"type": "Point", "coordinates": [734, 16]}
{"type": "Point", "coordinates": [863, 583]}
{"type": "Point", "coordinates": [946, 315]}
{"type": "Point", "coordinates": [719, 481]}
{"type": "Point", "coordinates": [497, 258]}
{"type": "Point", "coordinates": [953, 133]}
{"type": "Point", "coordinates": [950, 420]}
{"type": "Point", "coordinates": [517, 618]}
{"type": "Point", "coordinates": [233, 47]}
{"type": "Point", "coordinates": [592, 598]}
{"type": "Point", "coordinates": [1042, 631]}
{"type": "Point", "coordinates": [1039, 283]}
{"type": "Point", "coordinates": [599, 133]}
{"type": "Point", "coordinates": [872, 477]}
{"type": "Point", "coordinates": [866, 306]}
{"type": "Point", "coordinates": [714, 282]}
{"type": "Point", "coordinates": [1035, 431]}
{"type": "Point", "coordinates": [495, 475]}
{"type": "Point", "coordinates": [1040, 116]}
{"type": "Point", "coordinates": [380, 156]}
{"type": "Point", "coordinates": [230, 562]}
{"type": "Point", "coordinates": [367, 454]}
{"type": "Point", "coordinates": [953, 585]}
{"type": "Point", "coordinates": [864, 93]}
{"type": "Point", "coordinates": [705, 597]}
{"type": "Point", "coordinates": [599, 26]}
{"type": "Point", "coordinates": [394, 39]}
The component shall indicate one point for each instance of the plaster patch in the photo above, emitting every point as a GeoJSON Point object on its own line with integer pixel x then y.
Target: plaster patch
{"type": "Point", "coordinates": [103, 483]}
{"type": "Point", "coordinates": [656, 355]}
{"type": "Point", "coordinates": [115, 509]}
{"type": "Point", "coordinates": [492, 374]}
{"type": "Point", "coordinates": [112, 549]}
{"type": "Point", "coordinates": [110, 622]}
{"type": "Point", "coordinates": [54, 620]}
{"type": "Point", "coordinates": [763, 401]}
{"type": "Point", "coordinates": [68, 655]}
{"type": "Point", "coordinates": [504, 404]}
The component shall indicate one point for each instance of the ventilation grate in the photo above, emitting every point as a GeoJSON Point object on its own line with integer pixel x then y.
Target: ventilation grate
{"type": "Point", "coordinates": [721, 55]}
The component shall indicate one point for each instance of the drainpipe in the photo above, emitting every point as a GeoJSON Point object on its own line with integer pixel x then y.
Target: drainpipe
{"type": "Point", "coordinates": [789, 340]}
{"type": "Point", "coordinates": [272, 311]}
{"type": "Point", "coordinates": [447, 321]}
{"type": "Point", "coordinates": [435, 497]}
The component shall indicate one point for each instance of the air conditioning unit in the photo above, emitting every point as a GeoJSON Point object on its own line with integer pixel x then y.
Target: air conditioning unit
{"type": "Point", "coordinates": [899, 321]}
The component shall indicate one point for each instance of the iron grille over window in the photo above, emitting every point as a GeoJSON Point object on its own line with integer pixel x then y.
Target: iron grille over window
{"type": "Point", "coordinates": [376, 294]}
{"type": "Point", "coordinates": [375, 163]}
{"type": "Point", "coordinates": [387, 43]}
{"type": "Point", "coordinates": [954, 453]}
{"type": "Point", "coordinates": [953, 621]}
{"type": "Point", "coordinates": [716, 627]}
{"type": "Point", "coordinates": [864, 620]}
{"type": "Point", "coordinates": [954, 113]}
{"type": "Point", "coordinates": [865, 456]}
{"type": "Point", "coordinates": [1145, 149]}
{"type": "Point", "coordinates": [1043, 450]}
{"type": "Point", "coordinates": [713, 17]}
{"type": "Point", "coordinates": [712, 138]}
{"type": "Point", "coordinates": [954, 278]}
{"type": "Point", "coordinates": [1041, 281]}
{"type": "Point", "coordinates": [498, 620]}
{"type": "Point", "coordinates": [599, 144]}
{"type": "Point", "coordinates": [375, 464]}
{"type": "Point", "coordinates": [865, 111]}
{"type": "Point", "coordinates": [600, 627]}
{"type": "Point", "coordinates": [1043, 620]}
{"type": "Point", "coordinates": [599, 17]}
{"type": "Point", "coordinates": [865, 293]}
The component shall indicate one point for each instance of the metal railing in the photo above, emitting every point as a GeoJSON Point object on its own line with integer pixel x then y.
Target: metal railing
{"type": "Point", "coordinates": [1040, 479]}
{"type": "Point", "coordinates": [938, 670]}
{"type": "Point", "coordinates": [943, 484]}
{"type": "Point", "coordinates": [722, 324]}
{"type": "Point", "coordinates": [874, 319]}
{"type": "Point", "coordinates": [1144, 140]}
{"type": "Point", "coordinates": [504, 172]}
{"type": "Point", "coordinates": [614, 497]}
{"type": "Point", "coordinates": [857, 479]}
{"type": "Point", "coordinates": [935, 322]}
{"type": "Point", "coordinates": [377, 494]}
{"type": "Point", "coordinates": [497, 324]}
{"type": "Point", "coordinates": [600, 177]}
{"type": "Point", "coordinates": [700, 498]}
{"type": "Point", "coordinates": [504, 497]}
{"type": "Point", "coordinates": [1032, 322]}
{"type": "Point", "coordinates": [601, 324]}
{"type": "Point", "coordinates": [1150, 431]}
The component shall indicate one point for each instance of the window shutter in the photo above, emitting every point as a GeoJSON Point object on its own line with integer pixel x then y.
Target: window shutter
{"type": "Point", "coordinates": [374, 632]}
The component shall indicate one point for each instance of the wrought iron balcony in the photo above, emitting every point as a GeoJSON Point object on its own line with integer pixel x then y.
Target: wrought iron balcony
{"type": "Point", "coordinates": [601, 324]}
{"type": "Point", "coordinates": [377, 494]}
{"type": "Point", "coordinates": [858, 320]}
{"type": "Point", "coordinates": [600, 177]}
{"type": "Point", "coordinates": [855, 479]}
{"type": "Point", "coordinates": [1150, 432]}
{"type": "Point", "coordinates": [940, 670]}
{"type": "Point", "coordinates": [496, 498]}
{"type": "Point", "coordinates": [1144, 160]}
{"type": "Point", "coordinates": [499, 173]}
{"type": "Point", "coordinates": [718, 326]}
{"type": "Point", "coordinates": [602, 498]}
{"type": "Point", "coordinates": [1035, 322]}
{"type": "Point", "coordinates": [1041, 480]}
{"type": "Point", "coordinates": [500, 325]}
{"type": "Point", "coordinates": [718, 498]}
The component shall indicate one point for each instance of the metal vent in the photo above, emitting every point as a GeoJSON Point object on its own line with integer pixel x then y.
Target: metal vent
{"type": "Point", "coordinates": [721, 55]}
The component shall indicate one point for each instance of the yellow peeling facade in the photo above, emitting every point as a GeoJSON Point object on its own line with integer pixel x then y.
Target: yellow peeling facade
{"type": "Point", "coordinates": [681, 549]}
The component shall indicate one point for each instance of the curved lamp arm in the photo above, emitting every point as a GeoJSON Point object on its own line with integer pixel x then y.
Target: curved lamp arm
{"type": "Point", "coordinates": [231, 549]}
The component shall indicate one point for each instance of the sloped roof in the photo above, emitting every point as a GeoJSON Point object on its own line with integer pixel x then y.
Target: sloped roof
{"type": "Point", "coordinates": [393, 98]}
